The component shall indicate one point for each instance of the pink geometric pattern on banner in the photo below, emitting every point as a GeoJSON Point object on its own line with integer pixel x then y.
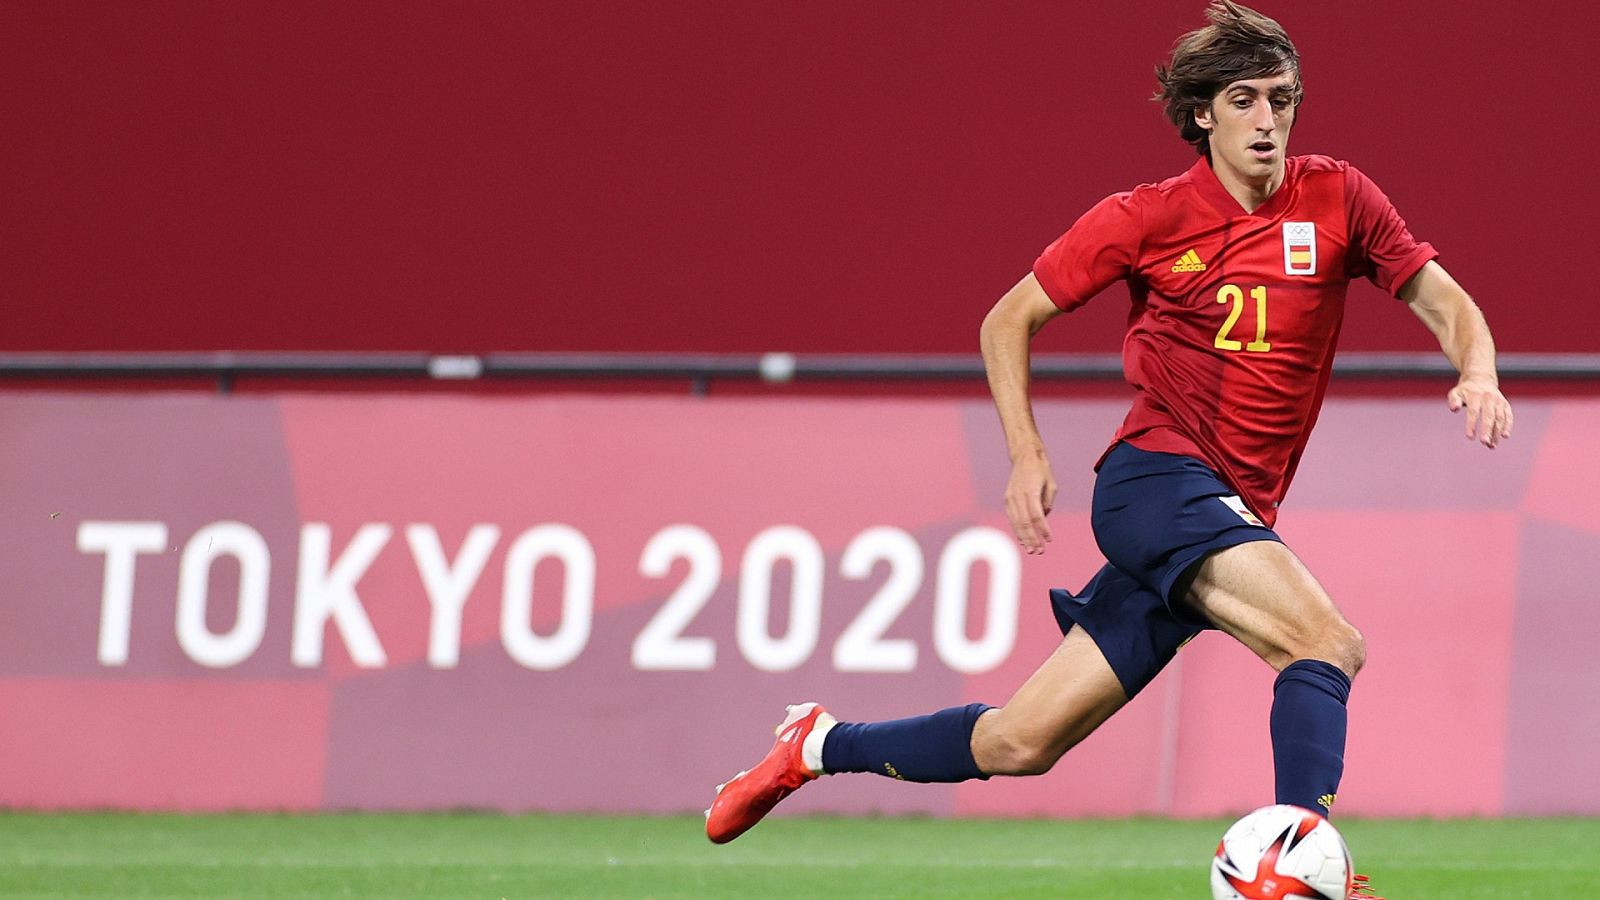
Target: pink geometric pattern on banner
{"type": "Point", "coordinates": [1565, 488]}
{"type": "Point", "coordinates": [1554, 721]}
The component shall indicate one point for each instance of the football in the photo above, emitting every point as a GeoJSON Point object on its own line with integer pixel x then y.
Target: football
{"type": "Point", "coordinates": [1280, 852]}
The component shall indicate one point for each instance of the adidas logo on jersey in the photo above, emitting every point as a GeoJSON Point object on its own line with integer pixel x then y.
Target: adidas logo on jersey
{"type": "Point", "coordinates": [1189, 262]}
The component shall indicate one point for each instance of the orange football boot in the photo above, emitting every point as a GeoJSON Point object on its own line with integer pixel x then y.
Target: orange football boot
{"type": "Point", "coordinates": [750, 795]}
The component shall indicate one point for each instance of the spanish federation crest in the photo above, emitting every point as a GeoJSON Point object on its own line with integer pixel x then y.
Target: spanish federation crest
{"type": "Point", "coordinates": [1299, 248]}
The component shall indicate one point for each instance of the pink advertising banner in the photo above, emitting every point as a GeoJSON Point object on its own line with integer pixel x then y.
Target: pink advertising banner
{"type": "Point", "coordinates": [581, 603]}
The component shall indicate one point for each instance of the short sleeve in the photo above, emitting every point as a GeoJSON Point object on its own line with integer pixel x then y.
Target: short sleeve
{"type": "Point", "coordinates": [1100, 248]}
{"type": "Point", "coordinates": [1382, 248]}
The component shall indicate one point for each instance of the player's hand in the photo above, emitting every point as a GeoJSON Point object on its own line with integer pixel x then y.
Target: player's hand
{"type": "Point", "coordinates": [1030, 494]}
{"type": "Point", "coordinates": [1488, 410]}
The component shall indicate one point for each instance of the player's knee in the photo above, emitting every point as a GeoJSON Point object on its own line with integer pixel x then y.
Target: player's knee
{"type": "Point", "coordinates": [1340, 644]}
{"type": "Point", "coordinates": [1028, 759]}
{"type": "Point", "coordinates": [1010, 751]}
{"type": "Point", "coordinates": [1351, 652]}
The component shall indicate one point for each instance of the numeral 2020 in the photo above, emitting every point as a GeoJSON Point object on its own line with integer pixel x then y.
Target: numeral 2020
{"type": "Point", "coordinates": [863, 646]}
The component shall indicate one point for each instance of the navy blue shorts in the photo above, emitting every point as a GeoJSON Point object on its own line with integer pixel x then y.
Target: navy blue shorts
{"type": "Point", "coordinates": [1156, 516]}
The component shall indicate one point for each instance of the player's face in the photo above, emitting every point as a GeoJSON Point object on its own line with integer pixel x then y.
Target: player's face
{"type": "Point", "coordinates": [1249, 122]}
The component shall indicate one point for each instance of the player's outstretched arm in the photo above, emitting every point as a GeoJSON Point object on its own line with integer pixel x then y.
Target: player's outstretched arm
{"type": "Point", "coordinates": [1005, 335]}
{"type": "Point", "coordinates": [1456, 321]}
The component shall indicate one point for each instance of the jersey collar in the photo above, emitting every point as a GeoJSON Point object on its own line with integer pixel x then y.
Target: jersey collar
{"type": "Point", "coordinates": [1206, 181]}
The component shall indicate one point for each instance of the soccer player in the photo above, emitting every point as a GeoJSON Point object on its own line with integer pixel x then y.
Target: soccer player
{"type": "Point", "coordinates": [1238, 270]}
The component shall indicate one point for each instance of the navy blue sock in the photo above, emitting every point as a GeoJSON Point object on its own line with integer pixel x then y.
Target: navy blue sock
{"type": "Point", "coordinates": [934, 748]}
{"type": "Point", "coordinates": [1308, 726]}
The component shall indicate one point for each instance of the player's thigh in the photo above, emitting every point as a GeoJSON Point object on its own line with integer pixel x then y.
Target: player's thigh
{"type": "Point", "coordinates": [1156, 515]}
{"type": "Point", "coordinates": [1070, 695]}
{"type": "Point", "coordinates": [1264, 596]}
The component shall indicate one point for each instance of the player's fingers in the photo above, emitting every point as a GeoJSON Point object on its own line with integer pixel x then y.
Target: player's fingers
{"type": "Point", "coordinates": [1454, 399]}
{"type": "Point", "coordinates": [1049, 497]}
{"type": "Point", "coordinates": [1019, 520]}
{"type": "Point", "coordinates": [1476, 418]}
{"type": "Point", "coordinates": [1025, 521]}
{"type": "Point", "coordinates": [1502, 422]}
{"type": "Point", "coordinates": [1474, 410]}
{"type": "Point", "coordinates": [1025, 537]}
{"type": "Point", "coordinates": [1037, 526]}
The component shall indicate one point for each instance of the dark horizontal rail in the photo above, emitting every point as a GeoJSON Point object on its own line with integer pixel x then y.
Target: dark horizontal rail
{"type": "Point", "coordinates": [700, 369]}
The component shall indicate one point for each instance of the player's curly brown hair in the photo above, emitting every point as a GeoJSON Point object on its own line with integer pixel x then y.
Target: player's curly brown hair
{"type": "Point", "coordinates": [1239, 44]}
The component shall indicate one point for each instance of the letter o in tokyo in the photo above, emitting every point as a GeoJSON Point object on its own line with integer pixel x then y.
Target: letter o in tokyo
{"type": "Point", "coordinates": [246, 545]}
{"type": "Point", "coordinates": [576, 555]}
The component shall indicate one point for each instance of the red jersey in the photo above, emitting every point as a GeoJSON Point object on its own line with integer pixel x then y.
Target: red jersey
{"type": "Point", "coordinates": [1235, 315]}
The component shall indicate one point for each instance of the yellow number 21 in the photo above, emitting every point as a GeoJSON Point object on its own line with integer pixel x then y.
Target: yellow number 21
{"type": "Point", "coordinates": [1230, 293]}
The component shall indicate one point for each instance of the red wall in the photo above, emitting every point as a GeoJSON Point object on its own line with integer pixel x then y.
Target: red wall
{"type": "Point", "coordinates": [716, 174]}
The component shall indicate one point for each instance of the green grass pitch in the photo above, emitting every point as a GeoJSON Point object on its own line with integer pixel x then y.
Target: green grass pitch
{"type": "Point", "coordinates": [482, 855]}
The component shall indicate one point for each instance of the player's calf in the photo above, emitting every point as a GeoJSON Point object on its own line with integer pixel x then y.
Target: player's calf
{"type": "Point", "coordinates": [1309, 716]}
{"type": "Point", "coordinates": [935, 748]}
{"type": "Point", "coordinates": [1308, 724]}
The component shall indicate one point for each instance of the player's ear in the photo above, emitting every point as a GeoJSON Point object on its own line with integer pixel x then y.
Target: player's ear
{"type": "Point", "coordinates": [1202, 117]}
